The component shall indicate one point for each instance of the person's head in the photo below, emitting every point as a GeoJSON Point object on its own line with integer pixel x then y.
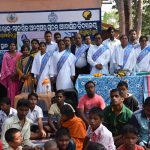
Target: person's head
{"type": "Point", "coordinates": [143, 41]}
{"type": "Point", "coordinates": [5, 104]}
{"type": "Point", "coordinates": [123, 86]}
{"type": "Point", "coordinates": [42, 47]}
{"type": "Point", "coordinates": [95, 146]}
{"type": "Point", "coordinates": [73, 40]}
{"type": "Point", "coordinates": [130, 135]}
{"type": "Point", "coordinates": [67, 41]}
{"type": "Point", "coordinates": [57, 37]}
{"type": "Point", "coordinates": [62, 138]}
{"type": "Point", "coordinates": [35, 44]}
{"type": "Point", "coordinates": [22, 108]}
{"type": "Point", "coordinates": [48, 36]}
{"type": "Point", "coordinates": [61, 45]}
{"type": "Point", "coordinates": [95, 117]}
{"type": "Point", "coordinates": [25, 50]}
{"type": "Point", "coordinates": [87, 39]}
{"type": "Point", "coordinates": [12, 46]}
{"type": "Point", "coordinates": [90, 88]}
{"type": "Point", "coordinates": [117, 97]}
{"type": "Point", "coordinates": [78, 39]}
{"type": "Point", "coordinates": [26, 42]}
{"type": "Point", "coordinates": [111, 31]}
{"type": "Point", "coordinates": [66, 112]}
{"type": "Point", "coordinates": [132, 35]}
{"type": "Point", "coordinates": [50, 145]}
{"type": "Point", "coordinates": [124, 40]}
{"type": "Point", "coordinates": [13, 137]}
{"type": "Point", "coordinates": [146, 107]}
{"type": "Point", "coordinates": [98, 39]}
{"type": "Point", "coordinates": [60, 97]}
{"type": "Point", "coordinates": [33, 99]}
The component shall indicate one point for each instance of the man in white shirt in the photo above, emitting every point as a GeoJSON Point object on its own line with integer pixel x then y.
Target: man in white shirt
{"type": "Point", "coordinates": [98, 56]}
{"type": "Point", "coordinates": [51, 46]}
{"type": "Point", "coordinates": [124, 57]}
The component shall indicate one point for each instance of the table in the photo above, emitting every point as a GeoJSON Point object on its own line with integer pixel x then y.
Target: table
{"type": "Point", "coordinates": [45, 97]}
{"type": "Point", "coordinates": [138, 85]}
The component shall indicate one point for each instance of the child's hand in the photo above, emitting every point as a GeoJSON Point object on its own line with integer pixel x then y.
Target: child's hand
{"type": "Point", "coordinates": [43, 133]}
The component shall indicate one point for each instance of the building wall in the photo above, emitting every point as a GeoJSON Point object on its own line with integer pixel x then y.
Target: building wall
{"type": "Point", "coordinates": [33, 5]}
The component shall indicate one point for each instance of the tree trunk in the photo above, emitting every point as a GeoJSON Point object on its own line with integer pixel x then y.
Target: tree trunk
{"type": "Point", "coordinates": [139, 18]}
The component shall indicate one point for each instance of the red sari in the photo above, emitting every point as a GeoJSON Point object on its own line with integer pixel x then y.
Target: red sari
{"type": "Point", "coordinates": [8, 69]}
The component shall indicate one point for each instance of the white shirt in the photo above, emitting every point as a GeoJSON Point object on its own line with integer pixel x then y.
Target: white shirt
{"type": "Point", "coordinates": [82, 61]}
{"type": "Point", "coordinates": [3, 115]}
{"type": "Point", "coordinates": [35, 114]}
{"type": "Point", "coordinates": [102, 136]}
{"type": "Point", "coordinates": [52, 47]}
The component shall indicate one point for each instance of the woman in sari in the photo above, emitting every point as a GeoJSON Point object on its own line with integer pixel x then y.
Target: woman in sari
{"type": "Point", "coordinates": [34, 47]}
{"type": "Point", "coordinates": [24, 65]}
{"type": "Point", "coordinates": [9, 77]}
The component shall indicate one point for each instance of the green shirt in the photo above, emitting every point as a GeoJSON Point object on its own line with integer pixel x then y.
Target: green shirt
{"type": "Point", "coordinates": [116, 123]}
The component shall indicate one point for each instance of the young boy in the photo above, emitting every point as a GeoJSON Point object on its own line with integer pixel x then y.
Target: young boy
{"type": "Point", "coordinates": [64, 140]}
{"type": "Point", "coordinates": [35, 114]}
{"type": "Point", "coordinates": [95, 146]}
{"type": "Point", "coordinates": [75, 125]}
{"type": "Point", "coordinates": [19, 121]}
{"type": "Point", "coordinates": [54, 112]}
{"type": "Point", "coordinates": [97, 132]}
{"type": "Point", "coordinates": [14, 139]}
{"type": "Point", "coordinates": [129, 100]}
{"type": "Point", "coordinates": [130, 138]}
{"type": "Point", "coordinates": [51, 145]}
{"type": "Point", "coordinates": [6, 110]}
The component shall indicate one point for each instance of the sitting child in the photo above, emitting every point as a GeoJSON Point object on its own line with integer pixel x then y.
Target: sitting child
{"type": "Point", "coordinates": [97, 132]}
{"type": "Point", "coordinates": [75, 125]}
{"type": "Point", "coordinates": [64, 140]}
{"type": "Point", "coordinates": [50, 145]}
{"type": "Point", "coordinates": [54, 112]}
{"type": "Point", "coordinates": [95, 146]}
{"type": "Point", "coordinates": [14, 139]}
{"type": "Point", "coordinates": [6, 110]}
{"type": "Point", "coordinates": [129, 100]}
{"type": "Point", "coordinates": [130, 138]}
{"type": "Point", "coordinates": [35, 114]}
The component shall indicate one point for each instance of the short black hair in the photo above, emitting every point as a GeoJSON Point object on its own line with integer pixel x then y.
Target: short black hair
{"type": "Point", "coordinates": [121, 93]}
{"type": "Point", "coordinates": [42, 43]}
{"type": "Point", "coordinates": [86, 36]}
{"type": "Point", "coordinates": [50, 143]}
{"type": "Point", "coordinates": [9, 134]}
{"type": "Point", "coordinates": [129, 129]}
{"type": "Point", "coordinates": [61, 132]}
{"type": "Point", "coordinates": [62, 92]}
{"type": "Point", "coordinates": [110, 28]}
{"type": "Point", "coordinates": [123, 83]}
{"type": "Point", "coordinates": [57, 33]}
{"type": "Point", "coordinates": [97, 111]}
{"type": "Point", "coordinates": [23, 103]}
{"type": "Point", "coordinates": [5, 100]}
{"type": "Point", "coordinates": [142, 37]}
{"type": "Point", "coordinates": [67, 110]}
{"type": "Point", "coordinates": [95, 146]}
{"type": "Point", "coordinates": [96, 34]}
{"type": "Point", "coordinates": [48, 32]}
{"type": "Point", "coordinates": [33, 94]}
{"type": "Point", "coordinates": [88, 83]}
{"type": "Point", "coordinates": [36, 40]}
{"type": "Point", "coordinates": [61, 40]}
{"type": "Point", "coordinates": [132, 30]}
{"type": "Point", "coordinates": [23, 47]}
{"type": "Point", "coordinates": [123, 35]}
{"type": "Point", "coordinates": [147, 102]}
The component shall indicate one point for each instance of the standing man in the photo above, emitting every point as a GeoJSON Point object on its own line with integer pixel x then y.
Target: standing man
{"type": "Point", "coordinates": [98, 56]}
{"type": "Point", "coordinates": [57, 36]}
{"type": "Point", "coordinates": [80, 51]}
{"type": "Point", "coordinates": [51, 46]}
{"type": "Point", "coordinates": [67, 41]}
{"type": "Point", "coordinates": [88, 41]}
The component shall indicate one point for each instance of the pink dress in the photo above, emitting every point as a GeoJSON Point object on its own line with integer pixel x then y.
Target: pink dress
{"type": "Point", "coordinates": [9, 68]}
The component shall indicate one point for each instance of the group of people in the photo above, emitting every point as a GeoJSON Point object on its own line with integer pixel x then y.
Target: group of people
{"type": "Point", "coordinates": [54, 66]}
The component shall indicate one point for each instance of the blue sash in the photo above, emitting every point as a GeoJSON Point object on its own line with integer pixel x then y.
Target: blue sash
{"type": "Point", "coordinates": [142, 54]}
{"type": "Point", "coordinates": [43, 63]}
{"type": "Point", "coordinates": [62, 60]}
{"type": "Point", "coordinates": [127, 52]}
{"type": "Point", "coordinates": [80, 51]}
{"type": "Point", "coordinates": [99, 52]}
